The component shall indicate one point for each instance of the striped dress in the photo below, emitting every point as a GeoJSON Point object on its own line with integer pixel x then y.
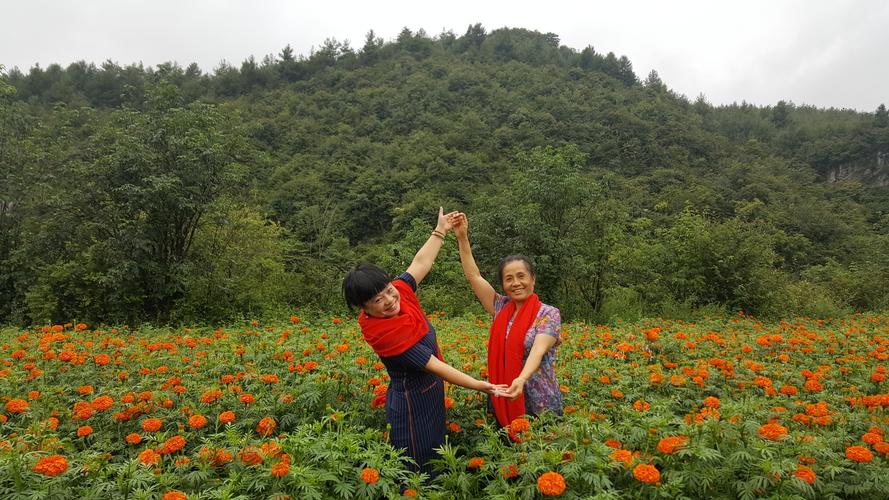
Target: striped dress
{"type": "Point", "coordinates": [415, 399]}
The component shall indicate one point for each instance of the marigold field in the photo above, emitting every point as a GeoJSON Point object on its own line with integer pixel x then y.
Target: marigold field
{"type": "Point", "coordinates": [727, 408]}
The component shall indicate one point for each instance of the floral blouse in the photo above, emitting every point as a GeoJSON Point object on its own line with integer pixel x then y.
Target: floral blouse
{"type": "Point", "coordinates": [542, 389]}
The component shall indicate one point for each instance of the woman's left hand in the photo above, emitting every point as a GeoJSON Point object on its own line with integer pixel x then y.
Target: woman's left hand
{"type": "Point", "coordinates": [515, 389]}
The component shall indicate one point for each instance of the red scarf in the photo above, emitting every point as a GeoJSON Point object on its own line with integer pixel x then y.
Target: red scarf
{"type": "Point", "coordinates": [506, 355]}
{"type": "Point", "coordinates": [392, 336]}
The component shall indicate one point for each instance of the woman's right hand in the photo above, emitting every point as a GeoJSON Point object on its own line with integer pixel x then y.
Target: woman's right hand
{"type": "Point", "coordinates": [461, 225]}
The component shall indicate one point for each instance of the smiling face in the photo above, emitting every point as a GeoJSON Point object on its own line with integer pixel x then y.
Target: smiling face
{"type": "Point", "coordinates": [518, 282]}
{"type": "Point", "coordinates": [385, 304]}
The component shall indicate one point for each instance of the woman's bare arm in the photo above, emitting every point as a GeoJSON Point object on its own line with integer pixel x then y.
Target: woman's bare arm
{"type": "Point", "coordinates": [480, 286]}
{"type": "Point", "coordinates": [425, 257]}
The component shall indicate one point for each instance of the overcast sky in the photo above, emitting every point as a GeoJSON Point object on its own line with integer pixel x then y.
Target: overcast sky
{"type": "Point", "coordinates": [832, 53]}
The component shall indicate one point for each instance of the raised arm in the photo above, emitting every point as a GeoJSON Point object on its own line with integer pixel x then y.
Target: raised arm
{"type": "Point", "coordinates": [480, 286]}
{"type": "Point", "coordinates": [425, 257]}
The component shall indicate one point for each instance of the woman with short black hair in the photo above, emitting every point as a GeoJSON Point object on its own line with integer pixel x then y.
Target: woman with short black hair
{"type": "Point", "coordinates": [394, 325]}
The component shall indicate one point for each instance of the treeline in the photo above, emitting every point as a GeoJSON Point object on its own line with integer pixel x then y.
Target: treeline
{"type": "Point", "coordinates": [165, 194]}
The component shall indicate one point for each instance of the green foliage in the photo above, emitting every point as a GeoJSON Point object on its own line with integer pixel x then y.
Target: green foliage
{"type": "Point", "coordinates": [236, 267]}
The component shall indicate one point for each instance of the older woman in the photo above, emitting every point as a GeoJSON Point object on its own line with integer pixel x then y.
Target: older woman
{"type": "Point", "coordinates": [394, 325]}
{"type": "Point", "coordinates": [523, 337]}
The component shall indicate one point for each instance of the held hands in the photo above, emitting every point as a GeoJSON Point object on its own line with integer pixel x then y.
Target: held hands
{"type": "Point", "coordinates": [445, 221]}
{"type": "Point", "coordinates": [515, 389]}
{"type": "Point", "coordinates": [491, 389]}
{"type": "Point", "coordinates": [511, 391]}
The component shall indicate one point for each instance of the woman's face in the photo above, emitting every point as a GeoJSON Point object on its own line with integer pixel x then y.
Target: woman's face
{"type": "Point", "coordinates": [385, 304]}
{"type": "Point", "coordinates": [518, 284]}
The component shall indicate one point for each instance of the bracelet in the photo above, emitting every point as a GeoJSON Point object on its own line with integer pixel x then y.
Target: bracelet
{"type": "Point", "coordinates": [436, 233]}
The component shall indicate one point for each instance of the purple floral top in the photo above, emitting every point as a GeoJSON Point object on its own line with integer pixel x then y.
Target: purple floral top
{"type": "Point", "coordinates": [542, 389]}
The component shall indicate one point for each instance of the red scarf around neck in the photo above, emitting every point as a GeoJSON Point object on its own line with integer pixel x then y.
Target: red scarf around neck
{"type": "Point", "coordinates": [392, 336]}
{"type": "Point", "coordinates": [506, 355]}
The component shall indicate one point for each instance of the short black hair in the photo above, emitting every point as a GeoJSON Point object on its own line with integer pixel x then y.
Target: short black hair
{"type": "Point", "coordinates": [512, 258]}
{"type": "Point", "coordinates": [363, 283]}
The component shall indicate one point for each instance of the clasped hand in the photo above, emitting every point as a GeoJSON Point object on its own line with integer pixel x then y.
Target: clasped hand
{"type": "Point", "coordinates": [511, 391]}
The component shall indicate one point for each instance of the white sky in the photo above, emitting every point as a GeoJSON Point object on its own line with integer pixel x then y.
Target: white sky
{"type": "Point", "coordinates": [827, 53]}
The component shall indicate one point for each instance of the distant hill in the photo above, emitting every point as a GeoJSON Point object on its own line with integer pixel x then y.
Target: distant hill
{"type": "Point", "coordinates": [167, 194]}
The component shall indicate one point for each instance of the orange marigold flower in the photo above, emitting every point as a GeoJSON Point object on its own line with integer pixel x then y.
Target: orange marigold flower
{"type": "Point", "coordinates": [812, 385]}
{"type": "Point", "coordinates": [220, 457]}
{"type": "Point", "coordinates": [172, 445]}
{"type": "Point", "coordinates": [509, 471]}
{"type": "Point", "coordinates": [85, 412]}
{"type": "Point", "coordinates": [772, 431]}
{"type": "Point", "coordinates": [102, 403]}
{"type": "Point", "coordinates": [805, 473]}
{"type": "Point", "coordinates": [16, 406]}
{"type": "Point", "coordinates": [647, 473]}
{"type": "Point", "coordinates": [270, 379]}
{"type": "Point", "coordinates": [211, 395]}
{"type": "Point", "coordinates": [670, 445]}
{"type": "Point", "coordinates": [613, 443]}
{"type": "Point", "coordinates": [102, 359]}
{"type": "Point", "coordinates": [149, 457]}
{"type": "Point", "coordinates": [520, 425]}
{"type": "Point", "coordinates": [476, 463]}
{"type": "Point", "coordinates": [711, 402]}
{"type": "Point", "coordinates": [250, 455]}
{"type": "Point", "coordinates": [625, 456]}
{"type": "Point", "coordinates": [85, 389]}
{"type": "Point", "coordinates": [270, 449]}
{"type": "Point", "coordinates": [84, 431]}
{"type": "Point", "coordinates": [641, 406]}
{"type": "Point", "coordinates": [871, 438]}
{"type": "Point", "coordinates": [266, 426]}
{"type": "Point", "coordinates": [174, 495]}
{"type": "Point", "coordinates": [788, 390]}
{"type": "Point", "coordinates": [370, 475]}
{"type": "Point", "coordinates": [52, 465]}
{"type": "Point", "coordinates": [247, 398]}
{"type": "Point", "coordinates": [197, 421]}
{"type": "Point", "coordinates": [280, 469]}
{"type": "Point", "coordinates": [410, 492]}
{"type": "Point", "coordinates": [551, 484]}
{"type": "Point", "coordinates": [227, 417]}
{"type": "Point", "coordinates": [134, 438]}
{"type": "Point", "coordinates": [151, 424]}
{"type": "Point", "coordinates": [859, 454]}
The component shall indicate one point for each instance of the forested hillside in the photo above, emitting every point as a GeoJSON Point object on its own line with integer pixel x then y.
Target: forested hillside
{"type": "Point", "coordinates": [131, 193]}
